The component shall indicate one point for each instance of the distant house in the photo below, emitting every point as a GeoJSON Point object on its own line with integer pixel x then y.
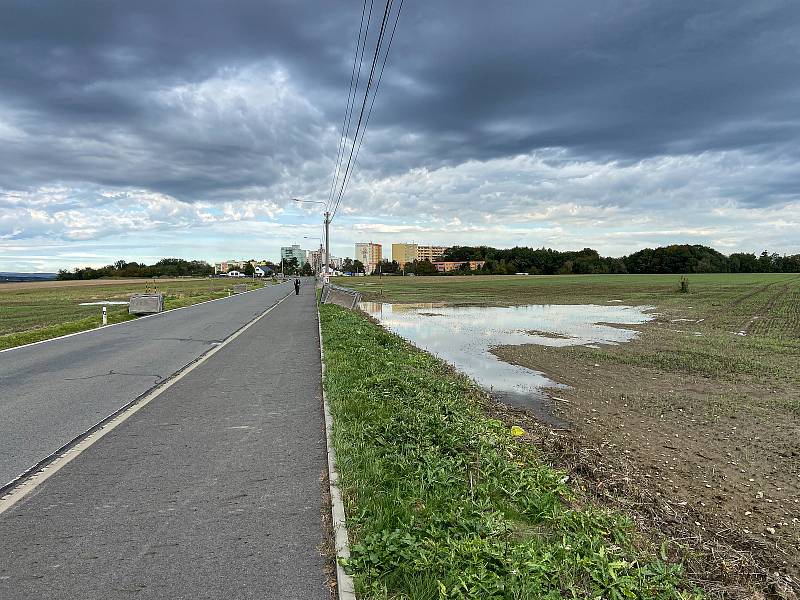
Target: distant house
{"type": "Point", "coordinates": [236, 274]}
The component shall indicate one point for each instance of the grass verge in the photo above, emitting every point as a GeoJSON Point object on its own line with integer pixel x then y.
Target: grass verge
{"type": "Point", "coordinates": [46, 314]}
{"type": "Point", "coordinates": [444, 502]}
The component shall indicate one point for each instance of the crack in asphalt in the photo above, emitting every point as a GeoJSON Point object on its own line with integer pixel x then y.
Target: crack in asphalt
{"type": "Point", "coordinates": [113, 372]}
{"type": "Point", "coordinates": [177, 339]}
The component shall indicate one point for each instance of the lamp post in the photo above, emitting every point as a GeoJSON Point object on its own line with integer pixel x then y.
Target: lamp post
{"type": "Point", "coordinates": [327, 234]}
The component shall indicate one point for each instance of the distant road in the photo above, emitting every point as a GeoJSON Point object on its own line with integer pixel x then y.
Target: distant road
{"type": "Point", "coordinates": [53, 391]}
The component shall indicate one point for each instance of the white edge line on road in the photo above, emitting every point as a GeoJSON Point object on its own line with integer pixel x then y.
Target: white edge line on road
{"type": "Point", "coordinates": [344, 583]}
{"type": "Point", "coordinates": [163, 312]}
{"type": "Point", "coordinates": [29, 484]}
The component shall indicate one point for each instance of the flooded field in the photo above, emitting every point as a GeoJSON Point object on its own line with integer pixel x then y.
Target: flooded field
{"type": "Point", "coordinates": [693, 424]}
{"type": "Point", "coordinates": [464, 336]}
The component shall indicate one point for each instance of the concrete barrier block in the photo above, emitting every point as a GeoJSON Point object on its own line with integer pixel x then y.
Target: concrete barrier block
{"type": "Point", "coordinates": [146, 304]}
{"type": "Point", "coordinates": [240, 288]}
{"type": "Point", "coordinates": [345, 297]}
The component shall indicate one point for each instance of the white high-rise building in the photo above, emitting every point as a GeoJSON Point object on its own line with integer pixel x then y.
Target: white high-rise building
{"type": "Point", "coordinates": [296, 252]}
{"type": "Point", "coordinates": [369, 254]}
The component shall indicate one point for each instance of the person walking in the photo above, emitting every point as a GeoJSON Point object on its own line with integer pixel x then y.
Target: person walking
{"type": "Point", "coordinates": [297, 287]}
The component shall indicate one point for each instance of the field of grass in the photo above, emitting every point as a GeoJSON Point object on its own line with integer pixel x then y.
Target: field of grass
{"type": "Point", "coordinates": [445, 502]}
{"type": "Point", "coordinates": [35, 311]}
{"type": "Point", "coordinates": [766, 306]}
{"type": "Point", "coordinates": [696, 423]}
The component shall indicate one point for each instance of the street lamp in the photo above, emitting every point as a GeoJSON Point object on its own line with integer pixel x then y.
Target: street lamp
{"type": "Point", "coordinates": [327, 234]}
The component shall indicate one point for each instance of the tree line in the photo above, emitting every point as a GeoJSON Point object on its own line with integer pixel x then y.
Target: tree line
{"type": "Point", "coordinates": [677, 258]}
{"type": "Point", "coordinates": [166, 267]}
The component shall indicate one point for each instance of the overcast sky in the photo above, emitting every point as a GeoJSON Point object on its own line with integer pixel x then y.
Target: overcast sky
{"type": "Point", "coordinates": [146, 129]}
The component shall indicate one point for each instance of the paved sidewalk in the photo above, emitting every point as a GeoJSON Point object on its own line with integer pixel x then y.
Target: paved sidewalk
{"type": "Point", "coordinates": [211, 491]}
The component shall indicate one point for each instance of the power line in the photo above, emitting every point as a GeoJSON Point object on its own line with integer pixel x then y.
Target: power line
{"type": "Point", "coordinates": [372, 103]}
{"type": "Point", "coordinates": [351, 95]}
{"type": "Point", "coordinates": [376, 54]}
{"type": "Point", "coordinates": [378, 43]}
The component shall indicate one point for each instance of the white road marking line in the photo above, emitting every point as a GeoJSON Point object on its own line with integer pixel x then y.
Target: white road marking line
{"type": "Point", "coordinates": [163, 312]}
{"type": "Point", "coordinates": [29, 484]}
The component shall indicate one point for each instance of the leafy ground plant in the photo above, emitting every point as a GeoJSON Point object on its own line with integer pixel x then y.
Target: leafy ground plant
{"type": "Point", "coordinates": [444, 502]}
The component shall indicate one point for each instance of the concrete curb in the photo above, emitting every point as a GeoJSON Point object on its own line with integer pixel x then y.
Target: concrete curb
{"type": "Point", "coordinates": [344, 583]}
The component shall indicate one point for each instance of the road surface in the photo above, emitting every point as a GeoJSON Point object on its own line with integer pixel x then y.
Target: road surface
{"type": "Point", "coordinates": [54, 391]}
{"type": "Point", "coordinates": [213, 490]}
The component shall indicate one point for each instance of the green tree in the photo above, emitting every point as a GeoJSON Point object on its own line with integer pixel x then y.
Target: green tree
{"type": "Point", "coordinates": [387, 266]}
{"type": "Point", "coordinates": [347, 265]}
{"type": "Point", "coordinates": [291, 267]}
{"type": "Point", "coordinates": [307, 269]}
{"type": "Point", "coordinates": [249, 270]}
{"type": "Point", "coordinates": [422, 267]}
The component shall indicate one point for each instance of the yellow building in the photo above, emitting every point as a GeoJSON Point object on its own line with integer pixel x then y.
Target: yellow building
{"type": "Point", "coordinates": [408, 253]}
{"type": "Point", "coordinates": [403, 254]}
{"type": "Point", "coordinates": [431, 253]}
{"type": "Point", "coordinates": [370, 255]}
{"type": "Point", "coordinates": [447, 266]}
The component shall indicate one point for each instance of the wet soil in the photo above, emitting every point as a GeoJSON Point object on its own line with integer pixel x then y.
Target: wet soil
{"type": "Point", "coordinates": [686, 457]}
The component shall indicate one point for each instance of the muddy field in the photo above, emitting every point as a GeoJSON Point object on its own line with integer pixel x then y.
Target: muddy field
{"type": "Point", "coordinates": [692, 427]}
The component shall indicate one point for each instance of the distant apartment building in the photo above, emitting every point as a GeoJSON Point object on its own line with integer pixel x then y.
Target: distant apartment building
{"type": "Point", "coordinates": [408, 253]}
{"type": "Point", "coordinates": [452, 265]}
{"type": "Point", "coordinates": [296, 252]}
{"type": "Point", "coordinates": [369, 254]}
{"type": "Point", "coordinates": [337, 262]}
{"type": "Point", "coordinates": [316, 258]}
{"type": "Point", "coordinates": [228, 265]}
{"type": "Point", "coordinates": [403, 254]}
{"type": "Point", "coordinates": [431, 253]}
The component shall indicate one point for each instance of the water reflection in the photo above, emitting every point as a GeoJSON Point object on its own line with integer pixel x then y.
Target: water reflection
{"type": "Point", "coordinates": [463, 336]}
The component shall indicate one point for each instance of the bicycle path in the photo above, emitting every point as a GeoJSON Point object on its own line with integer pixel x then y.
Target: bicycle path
{"type": "Point", "coordinates": [213, 490]}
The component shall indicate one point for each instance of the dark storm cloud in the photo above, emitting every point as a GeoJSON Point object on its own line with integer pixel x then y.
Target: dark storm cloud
{"type": "Point", "coordinates": [620, 79]}
{"type": "Point", "coordinates": [137, 93]}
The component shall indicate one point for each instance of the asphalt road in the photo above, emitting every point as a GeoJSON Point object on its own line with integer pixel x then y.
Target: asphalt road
{"type": "Point", "coordinates": [213, 490]}
{"type": "Point", "coordinates": [54, 391]}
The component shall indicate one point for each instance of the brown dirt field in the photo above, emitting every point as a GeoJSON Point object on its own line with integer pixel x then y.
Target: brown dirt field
{"type": "Point", "coordinates": [723, 476]}
{"type": "Point", "coordinates": [693, 429]}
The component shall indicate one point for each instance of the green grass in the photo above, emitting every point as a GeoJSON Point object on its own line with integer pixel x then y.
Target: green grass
{"type": "Point", "coordinates": [443, 502]}
{"type": "Point", "coordinates": [35, 312]}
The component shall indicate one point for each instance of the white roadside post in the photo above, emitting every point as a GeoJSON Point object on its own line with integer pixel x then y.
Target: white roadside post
{"type": "Point", "coordinates": [105, 316]}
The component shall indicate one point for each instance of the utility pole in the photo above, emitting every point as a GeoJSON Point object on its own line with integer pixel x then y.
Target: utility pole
{"type": "Point", "coordinates": [327, 235]}
{"type": "Point", "coordinates": [327, 246]}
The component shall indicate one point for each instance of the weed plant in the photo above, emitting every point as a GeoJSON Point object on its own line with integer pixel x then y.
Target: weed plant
{"type": "Point", "coordinates": [443, 502]}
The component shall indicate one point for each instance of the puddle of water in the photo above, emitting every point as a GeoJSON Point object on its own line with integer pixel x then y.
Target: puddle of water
{"type": "Point", "coordinates": [464, 336]}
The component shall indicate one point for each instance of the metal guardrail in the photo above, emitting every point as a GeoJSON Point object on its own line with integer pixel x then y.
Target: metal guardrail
{"type": "Point", "coordinates": [342, 296]}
